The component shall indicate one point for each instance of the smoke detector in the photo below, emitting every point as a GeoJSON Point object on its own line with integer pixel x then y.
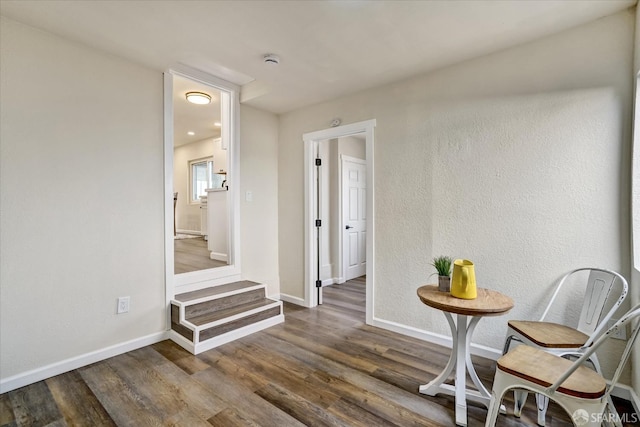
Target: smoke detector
{"type": "Point", "coordinates": [272, 59]}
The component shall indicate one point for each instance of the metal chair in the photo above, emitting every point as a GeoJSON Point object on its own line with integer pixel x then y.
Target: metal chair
{"type": "Point", "coordinates": [580, 391]}
{"type": "Point", "coordinates": [563, 340]}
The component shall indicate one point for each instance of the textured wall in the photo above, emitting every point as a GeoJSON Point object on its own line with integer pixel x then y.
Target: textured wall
{"type": "Point", "coordinates": [518, 161]}
{"type": "Point", "coordinates": [81, 196]}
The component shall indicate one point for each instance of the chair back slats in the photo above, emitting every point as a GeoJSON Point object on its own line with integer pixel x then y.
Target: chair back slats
{"type": "Point", "coordinates": [627, 318]}
{"type": "Point", "coordinates": [598, 295]}
{"type": "Point", "coordinates": [599, 287]}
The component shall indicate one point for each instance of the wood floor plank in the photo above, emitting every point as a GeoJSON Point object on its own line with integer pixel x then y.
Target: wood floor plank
{"type": "Point", "coordinates": [33, 405]}
{"type": "Point", "coordinates": [372, 402]}
{"type": "Point", "coordinates": [165, 396]}
{"type": "Point", "coordinates": [291, 335]}
{"type": "Point", "coordinates": [231, 418]}
{"type": "Point", "coordinates": [356, 416]}
{"type": "Point", "coordinates": [243, 399]}
{"type": "Point", "coordinates": [121, 401]}
{"type": "Point", "coordinates": [192, 255]}
{"type": "Point", "coordinates": [200, 400]}
{"type": "Point", "coordinates": [298, 407]}
{"type": "Point", "coordinates": [76, 401]}
{"type": "Point", "coordinates": [290, 377]}
{"type": "Point", "coordinates": [229, 366]}
{"type": "Point", "coordinates": [186, 418]}
{"type": "Point", "coordinates": [6, 411]}
{"type": "Point", "coordinates": [180, 357]}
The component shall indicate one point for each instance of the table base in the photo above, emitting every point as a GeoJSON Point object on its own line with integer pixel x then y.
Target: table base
{"type": "Point", "coordinates": [460, 360]}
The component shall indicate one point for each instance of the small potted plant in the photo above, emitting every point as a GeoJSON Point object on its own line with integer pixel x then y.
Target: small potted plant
{"type": "Point", "coordinates": [442, 265]}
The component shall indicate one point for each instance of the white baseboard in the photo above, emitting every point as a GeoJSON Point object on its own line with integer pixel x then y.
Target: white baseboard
{"type": "Point", "coordinates": [181, 341]}
{"type": "Point", "coordinates": [443, 340]}
{"type": "Point", "coordinates": [219, 256]}
{"type": "Point", "coordinates": [39, 374]}
{"type": "Point", "coordinates": [192, 232]}
{"type": "Point", "coordinates": [196, 285]}
{"type": "Point", "coordinates": [331, 281]}
{"type": "Point", "coordinates": [291, 299]}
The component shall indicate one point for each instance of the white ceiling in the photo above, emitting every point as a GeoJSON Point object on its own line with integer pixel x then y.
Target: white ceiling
{"type": "Point", "coordinates": [188, 117]}
{"type": "Point", "coordinates": [327, 48]}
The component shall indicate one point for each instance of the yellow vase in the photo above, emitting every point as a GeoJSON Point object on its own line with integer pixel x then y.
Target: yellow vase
{"type": "Point", "coordinates": [463, 280]}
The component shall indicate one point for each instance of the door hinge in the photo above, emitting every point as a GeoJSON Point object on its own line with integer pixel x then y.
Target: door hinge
{"type": "Point", "coordinates": [318, 162]}
{"type": "Point", "coordinates": [318, 223]}
{"type": "Point", "coordinates": [318, 283]}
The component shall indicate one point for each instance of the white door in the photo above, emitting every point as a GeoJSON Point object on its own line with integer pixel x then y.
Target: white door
{"type": "Point", "coordinates": [354, 221]}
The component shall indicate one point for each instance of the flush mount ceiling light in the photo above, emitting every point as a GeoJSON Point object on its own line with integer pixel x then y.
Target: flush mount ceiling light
{"type": "Point", "coordinates": [217, 124]}
{"type": "Point", "coordinates": [199, 98]}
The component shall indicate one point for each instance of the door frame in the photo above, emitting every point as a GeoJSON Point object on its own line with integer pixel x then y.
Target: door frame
{"type": "Point", "coordinates": [311, 141]}
{"type": "Point", "coordinates": [200, 279]}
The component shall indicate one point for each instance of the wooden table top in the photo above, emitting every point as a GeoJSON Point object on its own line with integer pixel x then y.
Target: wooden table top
{"type": "Point", "coordinates": [488, 302]}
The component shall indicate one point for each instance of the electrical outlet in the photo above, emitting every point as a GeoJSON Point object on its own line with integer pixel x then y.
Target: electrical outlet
{"type": "Point", "coordinates": [123, 305]}
{"type": "Point", "coordinates": [619, 333]}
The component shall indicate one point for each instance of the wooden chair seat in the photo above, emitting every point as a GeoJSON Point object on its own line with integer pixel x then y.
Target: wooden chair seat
{"type": "Point", "coordinates": [549, 335]}
{"type": "Point", "coordinates": [542, 368]}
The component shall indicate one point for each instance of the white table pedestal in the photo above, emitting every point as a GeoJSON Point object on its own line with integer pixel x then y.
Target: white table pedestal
{"type": "Point", "coordinates": [460, 360]}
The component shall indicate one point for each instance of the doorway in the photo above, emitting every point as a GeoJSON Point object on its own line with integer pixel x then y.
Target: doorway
{"type": "Point", "coordinates": [318, 241]}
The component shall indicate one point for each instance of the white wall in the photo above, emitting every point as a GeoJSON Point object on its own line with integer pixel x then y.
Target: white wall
{"type": "Point", "coordinates": [518, 161]}
{"type": "Point", "coordinates": [259, 217]}
{"type": "Point", "coordinates": [81, 198]}
{"type": "Point", "coordinates": [187, 213]}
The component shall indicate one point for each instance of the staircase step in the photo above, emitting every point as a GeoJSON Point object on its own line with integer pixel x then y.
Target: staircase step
{"type": "Point", "coordinates": [194, 297]}
{"type": "Point", "coordinates": [216, 331]}
{"type": "Point", "coordinates": [177, 326]}
{"type": "Point", "coordinates": [220, 315]}
{"type": "Point", "coordinates": [220, 305]}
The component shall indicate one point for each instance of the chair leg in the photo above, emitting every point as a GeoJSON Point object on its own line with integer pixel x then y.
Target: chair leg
{"type": "Point", "coordinates": [494, 409]}
{"type": "Point", "coordinates": [612, 413]}
{"type": "Point", "coordinates": [519, 398]}
{"type": "Point", "coordinates": [507, 344]}
{"type": "Point", "coordinates": [542, 402]}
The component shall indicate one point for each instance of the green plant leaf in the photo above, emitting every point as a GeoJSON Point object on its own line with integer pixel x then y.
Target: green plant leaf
{"type": "Point", "coordinates": [442, 265]}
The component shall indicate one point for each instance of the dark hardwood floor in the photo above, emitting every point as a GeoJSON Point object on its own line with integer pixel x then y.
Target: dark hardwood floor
{"type": "Point", "coordinates": [323, 366]}
{"type": "Point", "coordinates": [192, 255]}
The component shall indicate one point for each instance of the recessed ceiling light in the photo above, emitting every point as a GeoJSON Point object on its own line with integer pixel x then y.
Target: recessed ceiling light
{"type": "Point", "coordinates": [199, 98]}
{"type": "Point", "coordinates": [191, 133]}
{"type": "Point", "coordinates": [217, 124]}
